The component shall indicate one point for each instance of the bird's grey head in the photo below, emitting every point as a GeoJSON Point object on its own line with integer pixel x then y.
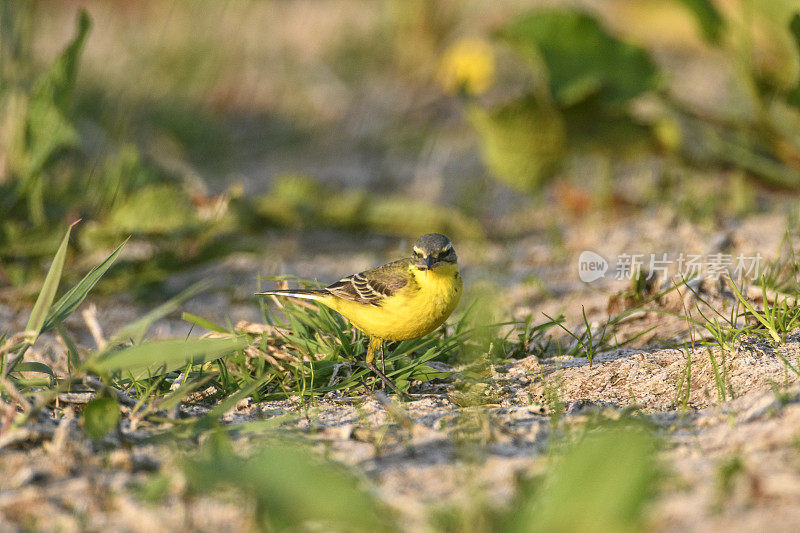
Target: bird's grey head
{"type": "Point", "coordinates": [433, 249]}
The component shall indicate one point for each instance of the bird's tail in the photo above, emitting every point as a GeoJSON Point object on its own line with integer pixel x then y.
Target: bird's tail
{"type": "Point", "coordinates": [296, 293]}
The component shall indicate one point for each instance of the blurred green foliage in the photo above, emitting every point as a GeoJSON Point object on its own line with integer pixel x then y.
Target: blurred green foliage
{"type": "Point", "coordinates": [586, 81]}
{"type": "Point", "coordinates": [100, 416]}
{"type": "Point", "coordinates": [600, 484]}
{"type": "Point", "coordinates": [34, 120]}
{"type": "Point", "coordinates": [62, 160]}
{"type": "Point", "coordinates": [289, 487]}
{"type": "Point", "coordinates": [523, 141]}
{"type": "Point", "coordinates": [300, 201]}
{"type": "Point", "coordinates": [592, 78]}
{"type": "Point", "coordinates": [583, 61]}
{"type": "Point", "coordinates": [46, 176]}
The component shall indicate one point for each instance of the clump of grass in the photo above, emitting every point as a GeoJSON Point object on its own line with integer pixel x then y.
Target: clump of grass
{"type": "Point", "coordinates": [778, 317]}
{"type": "Point", "coordinates": [310, 350]}
{"type": "Point", "coordinates": [684, 388]}
{"type": "Point", "coordinates": [125, 369]}
{"type": "Point", "coordinates": [724, 333]}
{"type": "Point", "coordinates": [782, 274]}
{"type": "Point", "coordinates": [587, 342]}
{"type": "Point", "coordinates": [588, 339]}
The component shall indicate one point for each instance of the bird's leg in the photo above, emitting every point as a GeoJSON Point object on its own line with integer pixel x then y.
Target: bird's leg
{"type": "Point", "coordinates": [383, 359]}
{"type": "Point", "coordinates": [373, 345]}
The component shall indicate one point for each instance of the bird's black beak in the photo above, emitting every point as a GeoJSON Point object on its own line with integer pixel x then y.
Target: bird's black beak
{"type": "Point", "coordinates": [429, 261]}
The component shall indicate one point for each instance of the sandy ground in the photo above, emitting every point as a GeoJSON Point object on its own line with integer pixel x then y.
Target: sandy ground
{"type": "Point", "coordinates": [436, 451]}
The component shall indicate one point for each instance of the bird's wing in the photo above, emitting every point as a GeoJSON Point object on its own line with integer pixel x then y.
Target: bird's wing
{"type": "Point", "coordinates": [372, 286]}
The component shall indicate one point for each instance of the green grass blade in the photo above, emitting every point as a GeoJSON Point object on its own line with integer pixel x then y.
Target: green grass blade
{"type": "Point", "coordinates": [73, 297]}
{"type": "Point", "coordinates": [181, 393]}
{"type": "Point", "coordinates": [230, 402]}
{"type": "Point", "coordinates": [73, 357]}
{"type": "Point", "coordinates": [757, 315]}
{"type": "Point", "coordinates": [718, 381]}
{"type": "Point", "coordinates": [136, 330]}
{"type": "Point", "coordinates": [35, 366]}
{"type": "Point", "coordinates": [154, 358]}
{"type": "Point", "coordinates": [49, 288]}
{"type": "Point", "coordinates": [203, 323]}
{"type": "Point", "coordinates": [794, 369]}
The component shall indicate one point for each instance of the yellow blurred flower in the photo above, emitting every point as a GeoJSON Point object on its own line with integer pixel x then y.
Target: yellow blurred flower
{"type": "Point", "coordinates": [668, 132]}
{"type": "Point", "coordinates": [467, 67]}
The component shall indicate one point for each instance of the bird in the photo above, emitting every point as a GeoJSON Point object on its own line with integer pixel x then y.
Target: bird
{"type": "Point", "coordinates": [402, 300]}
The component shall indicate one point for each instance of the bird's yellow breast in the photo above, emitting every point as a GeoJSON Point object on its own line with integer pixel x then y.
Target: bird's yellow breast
{"type": "Point", "coordinates": [420, 307]}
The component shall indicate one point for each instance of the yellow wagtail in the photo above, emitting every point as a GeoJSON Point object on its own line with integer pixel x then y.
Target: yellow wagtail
{"type": "Point", "coordinates": [401, 300]}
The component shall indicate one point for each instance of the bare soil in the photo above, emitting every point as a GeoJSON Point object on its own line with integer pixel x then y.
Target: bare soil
{"type": "Point", "coordinates": [448, 443]}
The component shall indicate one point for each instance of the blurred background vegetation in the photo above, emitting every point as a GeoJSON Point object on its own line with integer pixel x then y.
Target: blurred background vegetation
{"type": "Point", "coordinates": [200, 129]}
{"type": "Point", "coordinates": [195, 127]}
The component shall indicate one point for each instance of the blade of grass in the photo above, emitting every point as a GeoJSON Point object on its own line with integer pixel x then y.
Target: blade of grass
{"type": "Point", "coordinates": [152, 358]}
{"type": "Point", "coordinates": [49, 288]}
{"type": "Point", "coordinates": [35, 366]}
{"type": "Point", "coordinates": [762, 318]}
{"type": "Point", "coordinates": [43, 303]}
{"type": "Point", "coordinates": [203, 323]}
{"type": "Point", "coordinates": [73, 297]}
{"type": "Point", "coordinates": [181, 393]}
{"type": "Point", "coordinates": [73, 358]}
{"type": "Point", "coordinates": [718, 381]}
{"type": "Point", "coordinates": [136, 330]}
{"type": "Point", "coordinates": [230, 402]}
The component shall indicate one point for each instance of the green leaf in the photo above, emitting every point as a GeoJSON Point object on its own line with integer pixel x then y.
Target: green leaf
{"type": "Point", "coordinates": [582, 59]}
{"type": "Point", "coordinates": [793, 97]}
{"type": "Point", "coordinates": [48, 128]}
{"type": "Point", "coordinates": [136, 330]}
{"type": "Point", "coordinates": [73, 297]}
{"type": "Point", "coordinates": [708, 18]}
{"type": "Point", "coordinates": [600, 484]}
{"type": "Point", "coordinates": [48, 131]}
{"type": "Point", "coordinates": [155, 209]}
{"type": "Point", "coordinates": [158, 357]}
{"type": "Point", "coordinates": [58, 83]}
{"type": "Point", "coordinates": [35, 366]}
{"type": "Point", "coordinates": [100, 416]}
{"type": "Point", "coordinates": [426, 373]}
{"type": "Point", "coordinates": [203, 323]}
{"type": "Point", "coordinates": [49, 288]}
{"type": "Point", "coordinates": [290, 487]}
{"type": "Point", "coordinates": [522, 142]}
